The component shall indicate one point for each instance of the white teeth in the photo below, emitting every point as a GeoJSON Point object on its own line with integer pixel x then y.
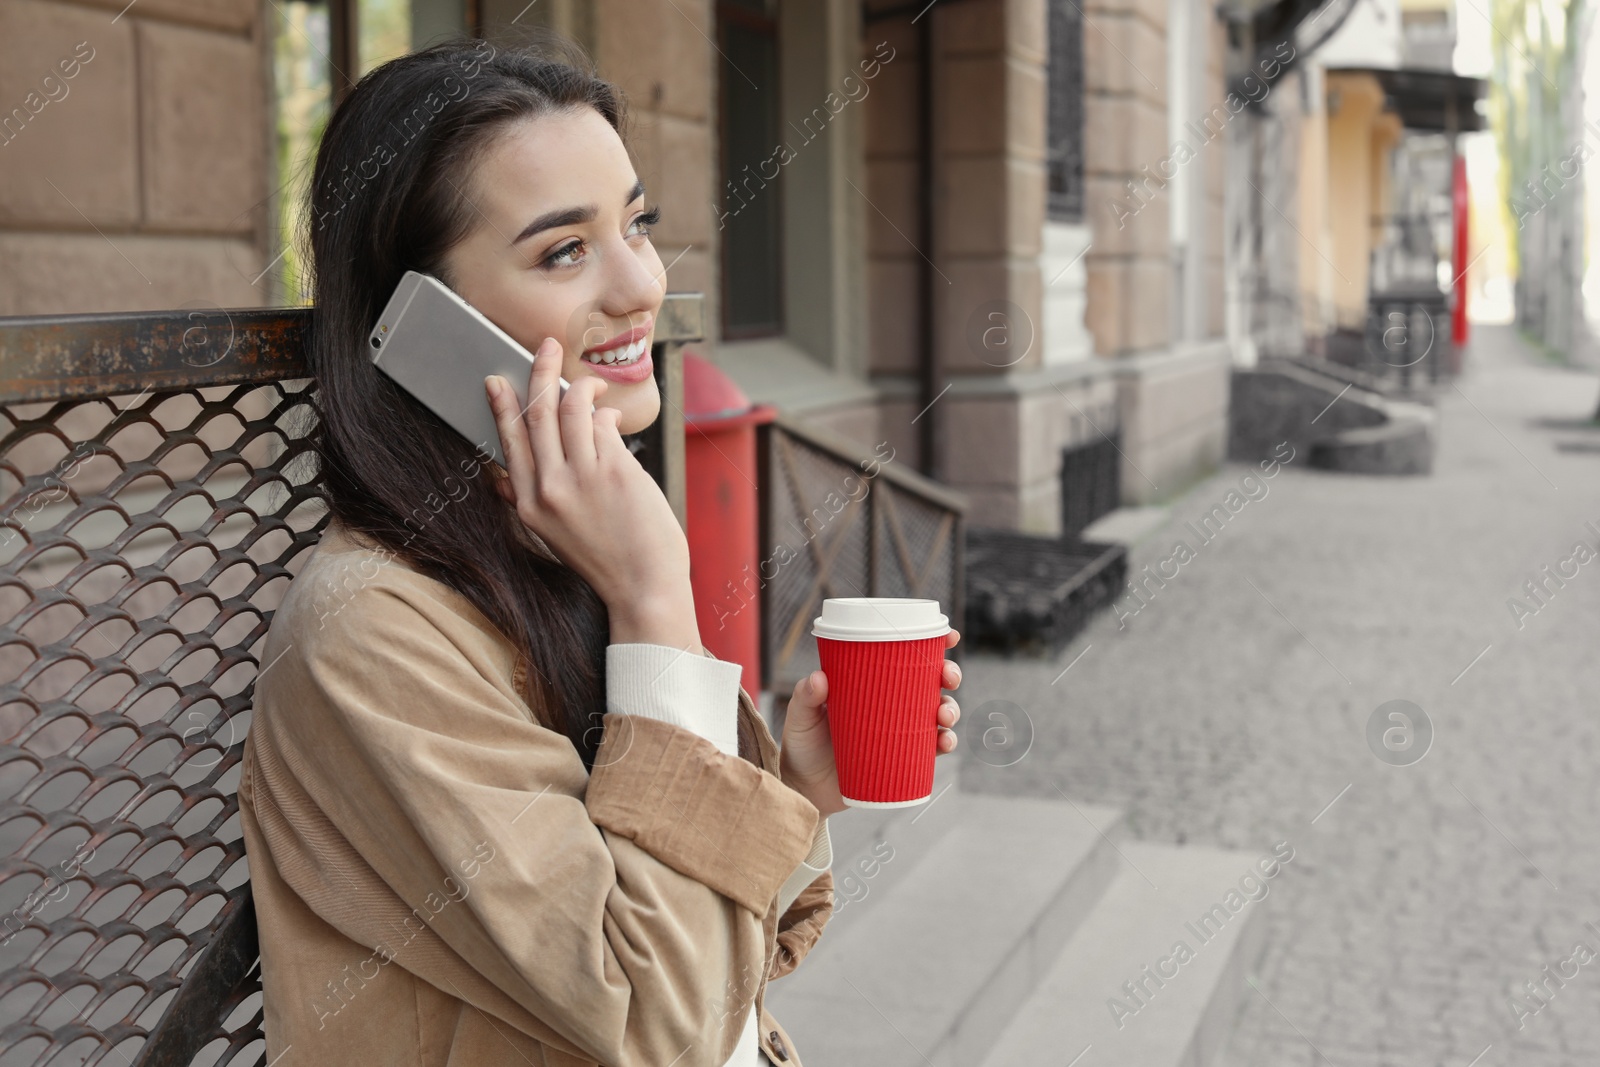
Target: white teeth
{"type": "Point", "coordinates": [623, 356]}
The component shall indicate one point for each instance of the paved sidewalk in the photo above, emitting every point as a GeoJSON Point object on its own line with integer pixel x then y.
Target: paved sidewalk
{"type": "Point", "coordinates": [1233, 710]}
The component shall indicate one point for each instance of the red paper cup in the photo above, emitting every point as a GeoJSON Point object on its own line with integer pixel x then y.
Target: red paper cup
{"type": "Point", "coordinates": [884, 659]}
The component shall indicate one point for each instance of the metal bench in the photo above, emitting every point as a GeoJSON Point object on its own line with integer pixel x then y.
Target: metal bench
{"type": "Point", "coordinates": [156, 504]}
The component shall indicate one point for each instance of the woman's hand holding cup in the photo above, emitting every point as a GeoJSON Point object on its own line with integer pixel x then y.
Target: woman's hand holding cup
{"type": "Point", "coordinates": [807, 763]}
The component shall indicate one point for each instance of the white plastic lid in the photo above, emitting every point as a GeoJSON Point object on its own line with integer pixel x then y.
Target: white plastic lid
{"type": "Point", "coordinates": [867, 618]}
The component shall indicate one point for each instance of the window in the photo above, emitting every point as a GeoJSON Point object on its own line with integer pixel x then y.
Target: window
{"type": "Point", "coordinates": [320, 48]}
{"type": "Point", "coordinates": [302, 90]}
{"type": "Point", "coordinates": [384, 31]}
{"type": "Point", "coordinates": [1064, 124]}
{"type": "Point", "coordinates": [750, 212]}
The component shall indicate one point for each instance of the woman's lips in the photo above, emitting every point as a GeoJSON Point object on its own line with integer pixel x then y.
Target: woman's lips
{"type": "Point", "coordinates": [627, 337]}
{"type": "Point", "coordinates": [625, 374]}
{"type": "Point", "coordinates": [633, 346]}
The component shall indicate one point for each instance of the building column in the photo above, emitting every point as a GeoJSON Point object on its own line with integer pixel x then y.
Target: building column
{"type": "Point", "coordinates": [1172, 391]}
{"type": "Point", "coordinates": [1125, 152]}
{"type": "Point", "coordinates": [1005, 417]}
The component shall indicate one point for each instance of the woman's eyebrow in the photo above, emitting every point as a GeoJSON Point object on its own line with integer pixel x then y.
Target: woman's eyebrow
{"type": "Point", "coordinates": [571, 216]}
{"type": "Point", "coordinates": [567, 216]}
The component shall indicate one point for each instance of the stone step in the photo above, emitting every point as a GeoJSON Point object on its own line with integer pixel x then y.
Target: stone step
{"type": "Point", "coordinates": [874, 849]}
{"type": "Point", "coordinates": [1404, 445]}
{"type": "Point", "coordinates": [1127, 525]}
{"type": "Point", "coordinates": [930, 967]}
{"type": "Point", "coordinates": [1157, 899]}
{"type": "Point", "coordinates": [1333, 424]}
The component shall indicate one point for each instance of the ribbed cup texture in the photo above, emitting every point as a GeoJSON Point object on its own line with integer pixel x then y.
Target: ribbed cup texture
{"type": "Point", "coordinates": [883, 708]}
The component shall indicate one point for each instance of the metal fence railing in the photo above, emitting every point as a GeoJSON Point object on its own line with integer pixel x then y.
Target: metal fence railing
{"type": "Point", "coordinates": [1403, 341]}
{"type": "Point", "coordinates": [837, 521]}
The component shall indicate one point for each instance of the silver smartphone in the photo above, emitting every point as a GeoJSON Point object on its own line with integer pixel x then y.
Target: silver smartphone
{"type": "Point", "coordinates": [439, 348]}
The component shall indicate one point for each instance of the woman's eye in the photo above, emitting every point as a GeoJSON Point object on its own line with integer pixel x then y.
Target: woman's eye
{"type": "Point", "coordinates": [642, 224]}
{"type": "Point", "coordinates": [566, 255]}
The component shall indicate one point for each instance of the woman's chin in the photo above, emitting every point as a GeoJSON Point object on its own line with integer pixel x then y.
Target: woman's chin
{"type": "Point", "coordinates": [638, 413]}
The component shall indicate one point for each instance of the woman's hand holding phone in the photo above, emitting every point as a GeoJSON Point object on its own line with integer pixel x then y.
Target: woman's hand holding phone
{"type": "Point", "coordinates": [573, 482]}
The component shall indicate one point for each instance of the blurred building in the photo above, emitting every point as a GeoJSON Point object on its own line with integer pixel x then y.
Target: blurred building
{"type": "Point", "coordinates": [988, 232]}
{"type": "Point", "coordinates": [1354, 203]}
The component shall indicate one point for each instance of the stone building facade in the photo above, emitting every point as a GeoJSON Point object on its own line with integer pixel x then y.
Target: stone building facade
{"type": "Point", "coordinates": [916, 280]}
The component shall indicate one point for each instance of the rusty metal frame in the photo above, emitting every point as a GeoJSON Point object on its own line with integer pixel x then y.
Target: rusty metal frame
{"type": "Point", "coordinates": [79, 357]}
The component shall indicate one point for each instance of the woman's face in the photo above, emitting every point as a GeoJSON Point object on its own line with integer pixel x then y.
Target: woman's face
{"type": "Point", "coordinates": [560, 249]}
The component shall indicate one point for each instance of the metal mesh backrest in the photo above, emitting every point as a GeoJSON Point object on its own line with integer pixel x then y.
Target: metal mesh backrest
{"type": "Point", "coordinates": [146, 539]}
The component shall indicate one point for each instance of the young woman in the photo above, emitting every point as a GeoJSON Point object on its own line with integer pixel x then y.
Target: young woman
{"type": "Point", "coordinates": [501, 806]}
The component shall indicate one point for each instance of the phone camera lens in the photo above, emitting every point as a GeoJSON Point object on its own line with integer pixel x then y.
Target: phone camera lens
{"type": "Point", "coordinates": [377, 343]}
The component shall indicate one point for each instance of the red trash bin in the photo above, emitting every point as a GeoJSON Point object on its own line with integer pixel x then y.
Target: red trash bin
{"type": "Point", "coordinates": [723, 514]}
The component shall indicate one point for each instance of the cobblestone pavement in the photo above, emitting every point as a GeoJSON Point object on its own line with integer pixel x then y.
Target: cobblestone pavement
{"type": "Point", "coordinates": [1232, 711]}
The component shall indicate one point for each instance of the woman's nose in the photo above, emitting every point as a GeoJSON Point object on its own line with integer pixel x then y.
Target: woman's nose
{"type": "Point", "coordinates": [636, 286]}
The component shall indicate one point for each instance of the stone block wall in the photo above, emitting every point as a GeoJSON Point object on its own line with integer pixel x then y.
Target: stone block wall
{"type": "Point", "coordinates": [661, 56]}
{"type": "Point", "coordinates": [889, 147]}
{"type": "Point", "coordinates": [1006, 444]}
{"type": "Point", "coordinates": [1010, 411]}
{"type": "Point", "coordinates": [989, 205]}
{"type": "Point", "coordinates": [134, 155]}
{"type": "Point", "coordinates": [1002, 423]}
{"type": "Point", "coordinates": [1174, 415]}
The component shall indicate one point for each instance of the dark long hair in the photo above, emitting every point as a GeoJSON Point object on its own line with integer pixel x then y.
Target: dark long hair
{"type": "Point", "coordinates": [387, 196]}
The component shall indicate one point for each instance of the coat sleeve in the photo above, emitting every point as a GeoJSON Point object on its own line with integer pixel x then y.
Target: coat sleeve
{"type": "Point", "coordinates": [700, 693]}
{"type": "Point", "coordinates": [807, 898]}
{"type": "Point", "coordinates": [605, 912]}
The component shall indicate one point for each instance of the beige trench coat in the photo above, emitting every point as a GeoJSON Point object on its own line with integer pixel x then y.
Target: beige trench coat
{"type": "Point", "coordinates": [438, 881]}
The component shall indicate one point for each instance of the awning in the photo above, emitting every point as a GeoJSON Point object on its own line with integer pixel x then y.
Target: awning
{"type": "Point", "coordinates": [1429, 99]}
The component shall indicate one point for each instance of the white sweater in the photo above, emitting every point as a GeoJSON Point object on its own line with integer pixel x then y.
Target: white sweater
{"type": "Point", "coordinates": [701, 694]}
